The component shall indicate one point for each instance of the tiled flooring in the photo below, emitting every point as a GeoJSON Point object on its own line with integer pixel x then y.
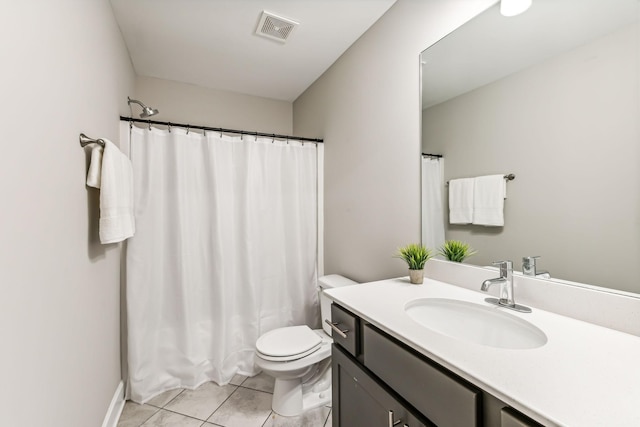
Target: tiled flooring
{"type": "Point", "coordinates": [246, 402]}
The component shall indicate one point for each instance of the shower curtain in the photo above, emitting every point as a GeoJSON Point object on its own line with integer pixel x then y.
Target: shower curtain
{"type": "Point", "coordinates": [432, 204]}
{"type": "Point", "coordinates": [225, 250]}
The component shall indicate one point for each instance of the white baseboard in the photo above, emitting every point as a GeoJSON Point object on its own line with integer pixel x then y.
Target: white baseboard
{"type": "Point", "coordinates": [115, 408]}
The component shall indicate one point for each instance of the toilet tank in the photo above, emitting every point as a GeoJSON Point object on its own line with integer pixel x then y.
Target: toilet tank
{"type": "Point", "coordinates": [329, 282]}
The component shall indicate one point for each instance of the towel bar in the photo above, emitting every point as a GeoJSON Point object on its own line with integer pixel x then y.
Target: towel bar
{"type": "Point", "coordinates": [85, 140]}
{"type": "Point", "coordinates": [509, 177]}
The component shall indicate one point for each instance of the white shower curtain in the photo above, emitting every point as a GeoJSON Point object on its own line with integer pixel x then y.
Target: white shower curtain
{"type": "Point", "coordinates": [432, 204]}
{"type": "Point", "coordinates": [225, 249]}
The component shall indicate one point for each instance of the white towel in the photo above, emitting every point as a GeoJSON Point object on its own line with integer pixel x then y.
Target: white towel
{"type": "Point", "coordinates": [95, 167]}
{"type": "Point", "coordinates": [116, 196]}
{"type": "Point", "coordinates": [461, 201]}
{"type": "Point", "coordinates": [488, 200]}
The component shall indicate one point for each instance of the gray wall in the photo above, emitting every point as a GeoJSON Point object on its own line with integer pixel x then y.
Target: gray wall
{"type": "Point", "coordinates": [190, 104]}
{"type": "Point", "coordinates": [65, 71]}
{"type": "Point", "coordinates": [367, 108]}
{"type": "Point", "coordinates": [568, 129]}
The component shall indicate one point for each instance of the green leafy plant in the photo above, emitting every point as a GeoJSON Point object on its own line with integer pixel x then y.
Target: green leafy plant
{"type": "Point", "coordinates": [414, 255]}
{"type": "Point", "coordinates": [456, 251]}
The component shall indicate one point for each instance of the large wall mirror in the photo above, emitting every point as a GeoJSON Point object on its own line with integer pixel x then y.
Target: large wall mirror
{"type": "Point", "coordinates": [552, 96]}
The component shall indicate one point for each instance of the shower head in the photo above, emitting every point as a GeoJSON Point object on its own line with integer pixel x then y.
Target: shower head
{"type": "Point", "coordinates": [146, 111]}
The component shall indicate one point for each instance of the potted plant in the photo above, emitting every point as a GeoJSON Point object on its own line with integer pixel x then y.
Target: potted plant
{"type": "Point", "coordinates": [416, 256]}
{"type": "Point", "coordinates": [456, 251]}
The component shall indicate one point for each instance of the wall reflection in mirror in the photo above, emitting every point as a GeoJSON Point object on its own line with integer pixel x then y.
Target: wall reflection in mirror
{"type": "Point", "coordinates": [552, 96]}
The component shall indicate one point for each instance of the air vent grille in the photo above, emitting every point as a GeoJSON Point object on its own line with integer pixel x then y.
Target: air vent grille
{"type": "Point", "coordinates": [275, 27]}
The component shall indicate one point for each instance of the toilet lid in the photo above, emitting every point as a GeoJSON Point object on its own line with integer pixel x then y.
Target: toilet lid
{"type": "Point", "coordinates": [289, 341]}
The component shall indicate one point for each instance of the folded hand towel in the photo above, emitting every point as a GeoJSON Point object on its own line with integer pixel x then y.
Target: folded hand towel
{"type": "Point", "coordinates": [488, 200]}
{"type": "Point", "coordinates": [95, 168]}
{"type": "Point", "coordinates": [116, 196]}
{"type": "Point", "coordinates": [461, 201]}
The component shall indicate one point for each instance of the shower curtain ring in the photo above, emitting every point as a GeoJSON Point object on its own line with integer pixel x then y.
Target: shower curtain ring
{"type": "Point", "coordinates": [204, 132]}
{"type": "Point", "coordinates": [256, 136]}
{"type": "Point", "coordinates": [169, 126]}
{"type": "Point", "coordinates": [188, 128]}
{"type": "Point", "coordinates": [273, 139]}
{"type": "Point", "coordinates": [149, 124]}
{"type": "Point", "coordinates": [130, 124]}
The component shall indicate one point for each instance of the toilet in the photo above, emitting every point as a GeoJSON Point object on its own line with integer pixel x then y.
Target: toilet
{"type": "Point", "coordinates": [298, 357]}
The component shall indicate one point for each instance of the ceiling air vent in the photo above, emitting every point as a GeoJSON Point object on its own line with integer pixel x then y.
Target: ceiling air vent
{"type": "Point", "coordinates": [275, 27]}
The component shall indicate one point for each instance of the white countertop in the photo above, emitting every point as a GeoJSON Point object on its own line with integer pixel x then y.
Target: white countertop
{"type": "Point", "coordinates": [585, 375]}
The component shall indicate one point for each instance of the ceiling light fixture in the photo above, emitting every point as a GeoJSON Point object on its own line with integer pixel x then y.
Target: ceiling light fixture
{"type": "Point", "coordinates": [514, 7]}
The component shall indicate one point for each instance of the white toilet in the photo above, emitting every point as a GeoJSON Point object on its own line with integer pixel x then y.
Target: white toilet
{"type": "Point", "coordinates": [298, 358]}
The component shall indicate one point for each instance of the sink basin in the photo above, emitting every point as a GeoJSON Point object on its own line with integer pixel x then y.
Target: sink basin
{"type": "Point", "coordinates": [480, 324]}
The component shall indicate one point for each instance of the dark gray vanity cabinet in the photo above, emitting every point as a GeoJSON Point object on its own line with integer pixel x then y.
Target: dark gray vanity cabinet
{"type": "Point", "coordinates": [359, 400]}
{"type": "Point", "coordinates": [380, 382]}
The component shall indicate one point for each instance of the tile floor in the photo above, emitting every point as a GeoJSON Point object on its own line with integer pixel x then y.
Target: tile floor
{"type": "Point", "coordinates": [245, 402]}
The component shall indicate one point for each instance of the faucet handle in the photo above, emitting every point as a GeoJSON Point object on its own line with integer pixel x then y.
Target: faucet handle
{"type": "Point", "coordinates": [501, 264]}
{"type": "Point", "coordinates": [529, 265]}
{"type": "Point", "coordinates": [506, 267]}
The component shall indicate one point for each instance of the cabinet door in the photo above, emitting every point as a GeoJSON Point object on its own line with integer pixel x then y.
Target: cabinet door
{"type": "Point", "coordinates": [360, 401]}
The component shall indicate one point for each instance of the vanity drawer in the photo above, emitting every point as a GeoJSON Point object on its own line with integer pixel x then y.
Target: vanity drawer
{"type": "Point", "coordinates": [443, 399]}
{"type": "Point", "coordinates": [509, 417]}
{"type": "Point", "coordinates": [348, 324]}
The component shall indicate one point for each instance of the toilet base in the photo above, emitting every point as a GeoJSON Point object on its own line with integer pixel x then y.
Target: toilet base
{"type": "Point", "coordinates": [292, 398]}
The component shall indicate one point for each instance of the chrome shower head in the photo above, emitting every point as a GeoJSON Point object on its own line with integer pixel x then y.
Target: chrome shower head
{"type": "Point", "coordinates": [146, 111]}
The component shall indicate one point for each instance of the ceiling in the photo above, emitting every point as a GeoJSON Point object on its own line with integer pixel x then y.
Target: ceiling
{"type": "Point", "coordinates": [491, 46]}
{"type": "Point", "coordinates": [212, 43]}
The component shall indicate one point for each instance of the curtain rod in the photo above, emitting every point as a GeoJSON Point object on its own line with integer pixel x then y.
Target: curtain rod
{"type": "Point", "coordinates": [221, 130]}
{"type": "Point", "coordinates": [439, 156]}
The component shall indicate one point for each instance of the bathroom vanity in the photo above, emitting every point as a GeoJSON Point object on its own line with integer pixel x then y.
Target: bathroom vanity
{"type": "Point", "coordinates": [379, 381]}
{"type": "Point", "coordinates": [389, 369]}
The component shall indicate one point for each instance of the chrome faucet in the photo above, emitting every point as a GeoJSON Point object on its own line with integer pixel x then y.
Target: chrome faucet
{"type": "Point", "coordinates": [506, 288]}
{"type": "Point", "coordinates": [529, 268]}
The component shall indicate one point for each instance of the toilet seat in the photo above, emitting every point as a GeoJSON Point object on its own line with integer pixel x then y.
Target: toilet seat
{"type": "Point", "coordinates": [289, 343]}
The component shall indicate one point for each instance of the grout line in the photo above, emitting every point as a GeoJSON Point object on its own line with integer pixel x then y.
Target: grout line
{"type": "Point", "coordinates": [172, 399]}
{"type": "Point", "coordinates": [237, 387]}
{"type": "Point", "coordinates": [208, 416]}
{"type": "Point", "coordinates": [149, 417]}
{"type": "Point", "coordinates": [255, 389]}
{"type": "Point", "coordinates": [243, 381]}
{"type": "Point", "coordinates": [154, 412]}
{"type": "Point", "coordinates": [175, 397]}
{"type": "Point", "coordinates": [229, 397]}
{"type": "Point", "coordinates": [328, 416]}
{"type": "Point", "coordinates": [267, 420]}
{"type": "Point", "coordinates": [184, 415]}
{"type": "Point", "coordinates": [223, 402]}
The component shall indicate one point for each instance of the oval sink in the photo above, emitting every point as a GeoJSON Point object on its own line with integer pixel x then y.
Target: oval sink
{"type": "Point", "coordinates": [486, 325]}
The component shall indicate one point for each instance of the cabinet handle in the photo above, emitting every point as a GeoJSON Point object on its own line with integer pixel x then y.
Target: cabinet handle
{"type": "Point", "coordinates": [335, 328]}
{"type": "Point", "coordinates": [391, 422]}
